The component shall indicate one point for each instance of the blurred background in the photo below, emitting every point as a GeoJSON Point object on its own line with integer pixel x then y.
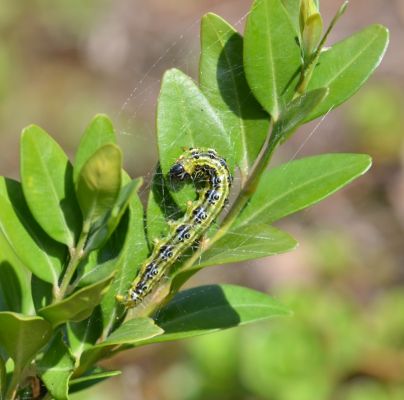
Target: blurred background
{"type": "Point", "coordinates": [63, 61]}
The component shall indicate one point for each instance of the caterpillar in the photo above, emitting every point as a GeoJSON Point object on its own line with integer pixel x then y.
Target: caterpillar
{"type": "Point", "coordinates": [204, 165]}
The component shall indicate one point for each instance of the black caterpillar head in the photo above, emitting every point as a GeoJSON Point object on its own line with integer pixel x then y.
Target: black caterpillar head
{"type": "Point", "coordinates": [177, 171]}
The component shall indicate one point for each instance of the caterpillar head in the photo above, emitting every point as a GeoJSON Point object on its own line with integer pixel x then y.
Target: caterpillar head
{"type": "Point", "coordinates": [178, 171]}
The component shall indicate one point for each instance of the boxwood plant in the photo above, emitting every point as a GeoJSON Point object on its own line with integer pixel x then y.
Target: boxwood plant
{"type": "Point", "coordinates": [73, 234]}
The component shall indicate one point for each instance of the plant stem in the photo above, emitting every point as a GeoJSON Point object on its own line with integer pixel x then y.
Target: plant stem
{"type": "Point", "coordinates": [76, 257]}
{"type": "Point", "coordinates": [311, 63]}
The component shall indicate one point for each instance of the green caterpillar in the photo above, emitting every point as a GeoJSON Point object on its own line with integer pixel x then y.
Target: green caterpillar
{"type": "Point", "coordinates": [204, 164]}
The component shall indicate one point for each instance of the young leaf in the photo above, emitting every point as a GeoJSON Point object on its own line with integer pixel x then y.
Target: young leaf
{"type": "Point", "coordinates": [129, 334]}
{"type": "Point", "coordinates": [312, 32]}
{"type": "Point", "coordinates": [272, 56]}
{"type": "Point", "coordinates": [36, 250]}
{"type": "Point", "coordinates": [22, 337]}
{"type": "Point", "coordinates": [185, 118]}
{"type": "Point", "coordinates": [101, 233]}
{"type": "Point", "coordinates": [47, 182]}
{"type": "Point", "coordinates": [76, 307]}
{"type": "Point", "coordinates": [247, 243]}
{"type": "Point", "coordinates": [98, 133]}
{"type": "Point", "coordinates": [56, 367]}
{"type": "Point", "coordinates": [206, 309]}
{"type": "Point", "coordinates": [298, 184]}
{"type": "Point", "coordinates": [347, 65]}
{"type": "Point", "coordinates": [223, 82]}
{"type": "Point", "coordinates": [99, 182]}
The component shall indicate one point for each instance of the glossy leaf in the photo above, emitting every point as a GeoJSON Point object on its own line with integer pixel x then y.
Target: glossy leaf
{"type": "Point", "coordinates": [86, 381]}
{"type": "Point", "coordinates": [129, 334]}
{"type": "Point", "coordinates": [162, 206]}
{"type": "Point", "coordinates": [111, 220]}
{"type": "Point", "coordinates": [297, 110]}
{"type": "Point", "coordinates": [98, 133]}
{"type": "Point", "coordinates": [101, 263]}
{"type": "Point", "coordinates": [47, 182]}
{"type": "Point", "coordinates": [22, 336]}
{"type": "Point", "coordinates": [222, 80]}
{"type": "Point", "coordinates": [15, 291]}
{"type": "Point", "coordinates": [293, 9]}
{"type": "Point", "coordinates": [84, 334]}
{"type": "Point", "coordinates": [36, 251]}
{"type": "Point", "coordinates": [272, 56]}
{"type": "Point", "coordinates": [42, 292]}
{"type": "Point", "coordinates": [76, 307]}
{"type": "Point", "coordinates": [99, 182]}
{"type": "Point", "coordinates": [206, 309]}
{"type": "Point", "coordinates": [298, 184]}
{"type": "Point", "coordinates": [346, 66]}
{"type": "Point", "coordinates": [128, 248]}
{"type": "Point", "coordinates": [56, 367]}
{"type": "Point", "coordinates": [185, 118]}
{"type": "Point", "coordinates": [247, 243]}
{"type": "Point", "coordinates": [133, 253]}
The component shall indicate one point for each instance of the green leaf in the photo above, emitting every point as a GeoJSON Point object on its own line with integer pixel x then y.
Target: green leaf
{"type": "Point", "coordinates": [223, 82]}
{"type": "Point", "coordinates": [347, 65]}
{"type": "Point", "coordinates": [56, 367]}
{"type": "Point", "coordinates": [99, 182]}
{"type": "Point", "coordinates": [297, 110]}
{"type": "Point", "coordinates": [98, 133]}
{"type": "Point", "coordinates": [272, 56]}
{"type": "Point", "coordinates": [298, 184]}
{"type": "Point", "coordinates": [101, 263]}
{"type": "Point", "coordinates": [78, 306]}
{"type": "Point", "coordinates": [129, 334]}
{"type": "Point", "coordinates": [185, 118]}
{"type": "Point", "coordinates": [247, 243]}
{"type": "Point", "coordinates": [132, 332]}
{"type": "Point", "coordinates": [15, 290]}
{"type": "Point", "coordinates": [25, 238]}
{"type": "Point", "coordinates": [95, 376]}
{"type": "Point", "coordinates": [161, 206]}
{"type": "Point", "coordinates": [206, 309]}
{"type": "Point", "coordinates": [22, 337]}
{"type": "Point", "coordinates": [293, 9]}
{"type": "Point", "coordinates": [42, 292]}
{"type": "Point", "coordinates": [130, 243]}
{"type": "Point", "coordinates": [47, 182]}
{"type": "Point", "coordinates": [3, 378]}
{"type": "Point", "coordinates": [133, 253]}
{"type": "Point", "coordinates": [84, 334]}
{"type": "Point", "coordinates": [111, 220]}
